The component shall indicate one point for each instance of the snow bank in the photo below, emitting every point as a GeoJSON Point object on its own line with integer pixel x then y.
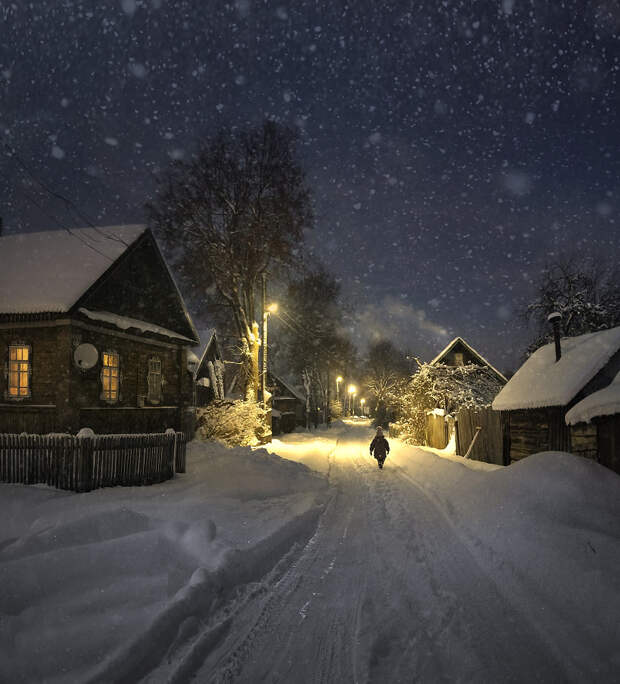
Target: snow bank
{"type": "Point", "coordinates": [605, 402]}
{"type": "Point", "coordinates": [541, 381]}
{"type": "Point", "coordinates": [89, 578]}
{"type": "Point", "coordinates": [545, 530]}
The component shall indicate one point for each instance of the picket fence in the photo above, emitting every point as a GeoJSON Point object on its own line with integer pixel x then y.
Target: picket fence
{"type": "Point", "coordinates": [81, 464]}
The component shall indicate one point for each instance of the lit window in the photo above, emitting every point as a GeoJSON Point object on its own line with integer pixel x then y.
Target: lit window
{"type": "Point", "coordinates": [154, 381]}
{"type": "Point", "coordinates": [110, 376]}
{"type": "Point", "coordinates": [458, 359]}
{"type": "Point", "coordinates": [19, 371]}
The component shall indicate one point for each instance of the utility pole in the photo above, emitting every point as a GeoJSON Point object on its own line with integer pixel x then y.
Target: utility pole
{"type": "Point", "coordinates": [264, 345]}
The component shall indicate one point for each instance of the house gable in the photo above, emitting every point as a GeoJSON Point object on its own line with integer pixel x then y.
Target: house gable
{"type": "Point", "coordinates": [138, 285]}
{"type": "Point", "coordinates": [458, 352]}
{"type": "Point", "coordinates": [211, 353]}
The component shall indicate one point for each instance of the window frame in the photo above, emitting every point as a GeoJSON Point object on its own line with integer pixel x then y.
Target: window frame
{"type": "Point", "coordinates": [106, 392]}
{"type": "Point", "coordinates": [19, 372]}
{"type": "Point", "coordinates": [154, 380]}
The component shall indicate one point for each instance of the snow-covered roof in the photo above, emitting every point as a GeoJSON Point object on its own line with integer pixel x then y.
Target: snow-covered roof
{"type": "Point", "coordinates": [541, 381]}
{"type": "Point", "coordinates": [49, 271]}
{"type": "Point", "coordinates": [446, 350]}
{"type": "Point", "coordinates": [605, 402]}
{"type": "Point", "coordinates": [294, 393]}
{"type": "Point", "coordinates": [124, 323]}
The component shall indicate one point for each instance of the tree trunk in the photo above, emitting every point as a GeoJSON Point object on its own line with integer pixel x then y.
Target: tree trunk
{"type": "Point", "coordinates": [252, 372]}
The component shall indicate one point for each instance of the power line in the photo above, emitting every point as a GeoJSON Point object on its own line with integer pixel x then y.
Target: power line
{"type": "Point", "coordinates": [62, 225]}
{"type": "Point", "coordinates": [57, 195]}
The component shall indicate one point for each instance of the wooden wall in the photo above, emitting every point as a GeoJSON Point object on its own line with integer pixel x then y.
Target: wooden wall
{"type": "Point", "coordinates": [488, 445]}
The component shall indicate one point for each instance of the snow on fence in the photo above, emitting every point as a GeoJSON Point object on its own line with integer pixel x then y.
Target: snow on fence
{"type": "Point", "coordinates": [81, 464]}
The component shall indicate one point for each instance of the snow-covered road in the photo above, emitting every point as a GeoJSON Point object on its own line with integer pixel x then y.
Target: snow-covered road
{"type": "Point", "coordinates": [386, 590]}
{"type": "Point", "coordinates": [309, 564]}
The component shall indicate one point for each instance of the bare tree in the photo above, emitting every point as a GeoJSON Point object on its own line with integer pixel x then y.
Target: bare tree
{"type": "Point", "coordinates": [385, 377]}
{"type": "Point", "coordinates": [237, 210]}
{"type": "Point", "coordinates": [585, 291]}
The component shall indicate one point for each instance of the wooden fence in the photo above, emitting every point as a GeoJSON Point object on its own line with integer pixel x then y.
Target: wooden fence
{"type": "Point", "coordinates": [437, 431]}
{"type": "Point", "coordinates": [488, 446]}
{"type": "Point", "coordinates": [81, 464]}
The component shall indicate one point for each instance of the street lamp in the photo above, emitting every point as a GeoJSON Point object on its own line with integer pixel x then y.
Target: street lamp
{"type": "Point", "coordinates": [272, 308]}
{"type": "Point", "coordinates": [338, 381]}
{"type": "Point", "coordinates": [352, 389]}
{"type": "Point", "coordinates": [362, 402]}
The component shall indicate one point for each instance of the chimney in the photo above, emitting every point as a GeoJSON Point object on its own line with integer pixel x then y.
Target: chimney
{"type": "Point", "coordinates": [555, 318]}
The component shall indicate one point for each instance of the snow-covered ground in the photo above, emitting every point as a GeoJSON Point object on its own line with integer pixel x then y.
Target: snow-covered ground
{"type": "Point", "coordinates": [317, 566]}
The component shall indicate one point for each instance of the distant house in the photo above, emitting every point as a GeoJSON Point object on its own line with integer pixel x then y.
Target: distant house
{"type": "Point", "coordinates": [595, 424]}
{"type": "Point", "coordinates": [477, 381]}
{"type": "Point", "coordinates": [459, 353]}
{"type": "Point", "coordinates": [288, 405]}
{"type": "Point", "coordinates": [210, 380]}
{"type": "Point", "coordinates": [536, 402]}
{"type": "Point", "coordinates": [94, 333]}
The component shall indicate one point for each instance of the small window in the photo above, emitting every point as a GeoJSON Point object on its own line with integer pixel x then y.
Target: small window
{"type": "Point", "coordinates": [458, 359]}
{"type": "Point", "coordinates": [20, 360]}
{"type": "Point", "coordinates": [110, 376]}
{"type": "Point", "coordinates": [154, 381]}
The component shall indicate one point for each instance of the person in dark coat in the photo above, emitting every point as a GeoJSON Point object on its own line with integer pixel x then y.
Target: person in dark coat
{"type": "Point", "coordinates": [379, 447]}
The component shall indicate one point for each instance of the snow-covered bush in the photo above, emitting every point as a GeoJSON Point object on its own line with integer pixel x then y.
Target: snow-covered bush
{"type": "Point", "coordinates": [234, 423]}
{"type": "Point", "coordinates": [451, 388]}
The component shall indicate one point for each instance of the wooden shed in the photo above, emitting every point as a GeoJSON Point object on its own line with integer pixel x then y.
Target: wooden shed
{"type": "Point", "coordinates": [288, 404]}
{"type": "Point", "coordinates": [594, 423]}
{"type": "Point", "coordinates": [210, 374]}
{"type": "Point", "coordinates": [93, 332]}
{"type": "Point", "coordinates": [535, 401]}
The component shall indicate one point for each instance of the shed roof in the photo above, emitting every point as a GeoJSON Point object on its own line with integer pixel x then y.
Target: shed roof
{"type": "Point", "coordinates": [49, 271]}
{"type": "Point", "coordinates": [605, 402]}
{"type": "Point", "coordinates": [541, 381]}
{"type": "Point", "coordinates": [444, 352]}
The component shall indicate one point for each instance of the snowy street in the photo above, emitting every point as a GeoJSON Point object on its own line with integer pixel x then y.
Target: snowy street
{"type": "Point", "coordinates": [384, 591]}
{"type": "Point", "coordinates": [252, 567]}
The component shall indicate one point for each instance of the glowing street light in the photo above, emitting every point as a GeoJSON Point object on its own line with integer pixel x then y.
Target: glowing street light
{"type": "Point", "coordinates": [338, 381]}
{"type": "Point", "coordinates": [362, 402]}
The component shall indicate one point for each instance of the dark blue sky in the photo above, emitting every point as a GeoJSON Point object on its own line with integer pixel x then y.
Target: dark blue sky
{"type": "Point", "coordinates": [451, 146]}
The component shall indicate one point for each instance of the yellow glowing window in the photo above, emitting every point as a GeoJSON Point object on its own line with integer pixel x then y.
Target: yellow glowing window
{"type": "Point", "coordinates": [19, 371]}
{"type": "Point", "coordinates": [110, 376]}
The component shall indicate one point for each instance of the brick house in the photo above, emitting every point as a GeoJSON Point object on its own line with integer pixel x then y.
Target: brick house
{"type": "Point", "coordinates": [93, 333]}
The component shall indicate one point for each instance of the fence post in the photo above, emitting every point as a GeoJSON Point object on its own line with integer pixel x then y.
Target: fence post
{"type": "Point", "coordinates": [85, 470]}
{"type": "Point", "coordinates": [171, 451]}
{"type": "Point", "coordinates": [179, 457]}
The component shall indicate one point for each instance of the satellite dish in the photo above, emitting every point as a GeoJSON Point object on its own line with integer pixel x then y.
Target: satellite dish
{"type": "Point", "coordinates": [86, 356]}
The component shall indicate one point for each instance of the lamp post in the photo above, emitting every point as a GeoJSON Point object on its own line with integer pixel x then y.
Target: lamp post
{"type": "Point", "coordinates": [362, 402]}
{"type": "Point", "coordinates": [272, 308]}
{"type": "Point", "coordinates": [352, 389]}
{"type": "Point", "coordinates": [338, 381]}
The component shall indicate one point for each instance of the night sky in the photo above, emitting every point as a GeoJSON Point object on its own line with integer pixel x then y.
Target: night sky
{"type": "Point", "coordinates": [451, 146]}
